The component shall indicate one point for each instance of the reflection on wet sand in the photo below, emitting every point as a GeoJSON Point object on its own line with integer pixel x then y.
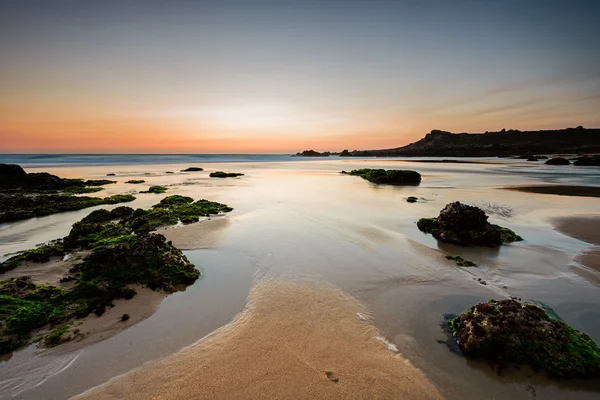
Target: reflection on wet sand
{"type": "Point", "coordinates": [294, 341]}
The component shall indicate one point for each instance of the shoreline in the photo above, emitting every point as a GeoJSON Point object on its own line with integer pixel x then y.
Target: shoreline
{"type": "Point", "coordinates": [300, 340]}
{"type": "Point", "coordinates": [585, 229]}
{"type": "Point", "coordinates": [560, 190]}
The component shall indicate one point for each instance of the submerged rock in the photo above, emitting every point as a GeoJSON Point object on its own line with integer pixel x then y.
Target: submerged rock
{"type": "Point", "coordinates": [221, 174]}
{"type": "Point", "coordinates": [509, 332]}
{"type": "Point", "coordinates": [558, 161]}
{"type": "Point", "coordinates": [389, 177]}
{"type": "Point", "coordinates": [466, 225]}
{"type": "Point", "coordinates": [461, 262]}
{"type": "Point", "coordinates": [411, 199]}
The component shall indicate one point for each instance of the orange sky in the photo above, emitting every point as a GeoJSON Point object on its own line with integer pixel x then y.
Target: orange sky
{"type": "Point", "coordinates": [195, 77]}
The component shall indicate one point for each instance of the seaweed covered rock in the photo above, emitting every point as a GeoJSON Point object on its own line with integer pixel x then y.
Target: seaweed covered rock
{"type": "Point", "coordinates": [221, 174]}
{"type": "Point", "coordinates": [121, 252]}
{"type": "Point", "coordinates": [466, 225]}
{"type": "Point", "coordinates": [509, 332]}
{"type": "Point", "coordinates": [14, 207]}
{"type": "Point", "coordinates": [156, 189]}
{"type": "Point", "coordinates": [136, 181]}
{"type": "Point", "coordinates": [192, 169]}
{"type": "Point", "coordinates": [146, 258]}
{"type": "Point", "coordinates": [98, 182]}
{"type": "Point", "coordinates": [389, 177]}
{"type": "Point", "coordinates": [411, 199]}
{"type": "Point", "coordinates": [558, 161]}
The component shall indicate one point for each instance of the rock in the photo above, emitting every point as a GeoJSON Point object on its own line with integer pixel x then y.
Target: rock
{"type": "Point", "coordinates": [124, 317]}
{"type": "Point", "coordinates": [461, 262]}
{"type": "Point", "coordinates": [587, 161]}
{"type": "Point", "coordinates": [136, 181]}
{"type": "Point", "coordinates": [221, 174]}
{"type": "Point", "coordinates": [111, 174]}
{"type": "Point", "coordinates": [509, 332]}
{"type": "Point", "coordinates": [466, 225]}
{"type": "Point", "coordinates": [156, 189]}
{"type": "Point", "coordinates": [558, 161]}
{"type": "Point", "coordinates": [410, 199]}
{"type": "Point", "coordinates": [532, 158]}
{"type": "Point", "coordinates": [192, 169]}
{"type": "Point", "coordinates": [389, 177]}
{"type": "Point", "coordinates": [312, 153]}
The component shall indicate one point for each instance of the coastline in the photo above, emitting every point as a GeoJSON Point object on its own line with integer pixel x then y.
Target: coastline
{"type": "Point", "coordinates": [584, 228]}
{"type": "Point", "coordinates": [299, 340]}
{"type": "Point", "coordinates": [561, 190]}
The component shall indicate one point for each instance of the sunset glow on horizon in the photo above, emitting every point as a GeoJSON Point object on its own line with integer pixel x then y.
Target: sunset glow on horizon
{"type": "Point", "coordinates": [280, 77]}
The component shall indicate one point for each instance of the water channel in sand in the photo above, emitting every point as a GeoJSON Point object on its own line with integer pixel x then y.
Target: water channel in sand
{"type": "Point", "coordinates": [303, 220]}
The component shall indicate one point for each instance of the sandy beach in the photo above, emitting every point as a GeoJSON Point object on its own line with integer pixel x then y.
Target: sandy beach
{"type": "Point", "coordinates": [561, 190]}
{"type": "Point", "coordinates": [294, 340]}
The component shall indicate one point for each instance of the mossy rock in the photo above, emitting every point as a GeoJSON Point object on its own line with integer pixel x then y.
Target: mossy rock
{"type": "Point", "coordinates": [192, 169]}
{"type": "Point", "coordinates": [221, 174]}
{"type": "Point", "coordinates": [389, 177]}
{"type": "Point", "coordinates": [461, 262]}
{"type": "Point", "coordinates": [466, 225]}
{"type": "Point", "coordinates": [121, 252]}
{"type": "Point", "coordinates": [156, 189]}
{"type": "Point", "coordinates": [98, 182]}
{"type": "Point", "coordinates": [136, 181]}
{"type": "Point", "coordinates": [411, 199]}
{"type": "Point", "coordinates": [509, 332]}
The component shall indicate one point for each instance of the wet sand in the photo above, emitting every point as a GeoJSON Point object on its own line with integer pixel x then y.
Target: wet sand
{"type": "Point", "coordinates": [584, 228]}
{"type": "Point", "coordinates": [202, 235]}
{"type": "Point", "coordinates": [561, 190]}
{"type": "Point", "coordinates": [294, 340]}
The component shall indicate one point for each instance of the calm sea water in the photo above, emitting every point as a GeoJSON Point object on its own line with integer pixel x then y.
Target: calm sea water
{"type": "Point", "coordinates": [56, 160]}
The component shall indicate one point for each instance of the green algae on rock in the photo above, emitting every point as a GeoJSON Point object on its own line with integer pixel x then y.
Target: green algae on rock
{"type": "Point", "coordinates": [156, 189]}
{"type": "Point", "coordinates": [389, 177]}
{"type": "Point", "coordinates": [192, 169]}
{"type": "Point", "coordinates": [461, 262]}
{"type": "Point", "coordinates": [509, 332]}
{"type": "Point", "coordinates": [14, 207]}
{"type": "Point", "coordinates": [466, 225]}
{"type": "Point", "coordinates": [98, 182]}
{"type": "Point", "coordinates": [221, 174]}
{"type": "Point", "coordinates": [136, 181]}
{"type": "Point", "coordinates": [411, 199]}
{"type": "Point", "coordinates": [122, 252]}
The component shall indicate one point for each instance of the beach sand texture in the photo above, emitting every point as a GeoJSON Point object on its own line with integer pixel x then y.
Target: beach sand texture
{"type": "Point", "coordinates": [294, 341]}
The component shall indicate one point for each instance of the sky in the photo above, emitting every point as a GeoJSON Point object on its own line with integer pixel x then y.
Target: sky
{"type": "Point", "coordinates": [248, 76]}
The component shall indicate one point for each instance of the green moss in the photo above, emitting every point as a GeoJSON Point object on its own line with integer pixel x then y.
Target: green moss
{"type": "Point", "coordinates": [221, 174]}
{"type": "Point", "coordinates": [55, 337]}
{"type": "Point", "coordinates": [461, 262]}
{"type": "Point", "coordinates": [81, 190]}
{"type": "Point", "coordinates": [40, 254]}
{"type": "Point", "coordinates": [157, 189]}
{"type": "Point", "coordinates": [390, 177]}
{"type": "Point", "coordinates": [507, 331]}
{"type": "Point", "coordinates": [98, 182]}
{"type": "Point", "coordinates": [121, 253]}
{"type": "Point", "coordinates": [192, 169]}
{"type": "Point", "coordinates": [136, 181]}
{"type": "Point", "coordinates": [118, 198]}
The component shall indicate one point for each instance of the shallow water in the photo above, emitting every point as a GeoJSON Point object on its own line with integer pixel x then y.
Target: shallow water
{"type": "Point", "coordinates": [305, 220]}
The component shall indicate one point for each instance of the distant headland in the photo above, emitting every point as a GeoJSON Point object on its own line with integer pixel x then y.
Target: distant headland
{"type": "Point", "coordinates": [503, 143]}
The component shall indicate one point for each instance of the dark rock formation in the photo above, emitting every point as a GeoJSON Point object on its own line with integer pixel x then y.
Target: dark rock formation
{"type": "Point", "coordinates": [411, 199]}
{"type": "Point", "coordinates": [221, 174]}
{"type": "Point", "coordinates": [192, 169]}
{"type": "Point", "coordinates": [461, 262]}
{"type": "Point", "coordinates": [466, 225]}
{"type": "Point", "coordinates": [312, 153]}
{"type": "Point", "coordinates": [593, 161]}
{"type": "Point", "coordinates": [493, 144]}
{"type": "Point", "coordinates": [508, 332]}
{"type": "Point", "coordinates": [389, 177]}
{"type": "Point", "coordinates": [558, 161]}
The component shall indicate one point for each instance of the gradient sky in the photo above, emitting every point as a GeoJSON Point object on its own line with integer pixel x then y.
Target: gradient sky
{"type": "Point", "coordinates": [282, 76]}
